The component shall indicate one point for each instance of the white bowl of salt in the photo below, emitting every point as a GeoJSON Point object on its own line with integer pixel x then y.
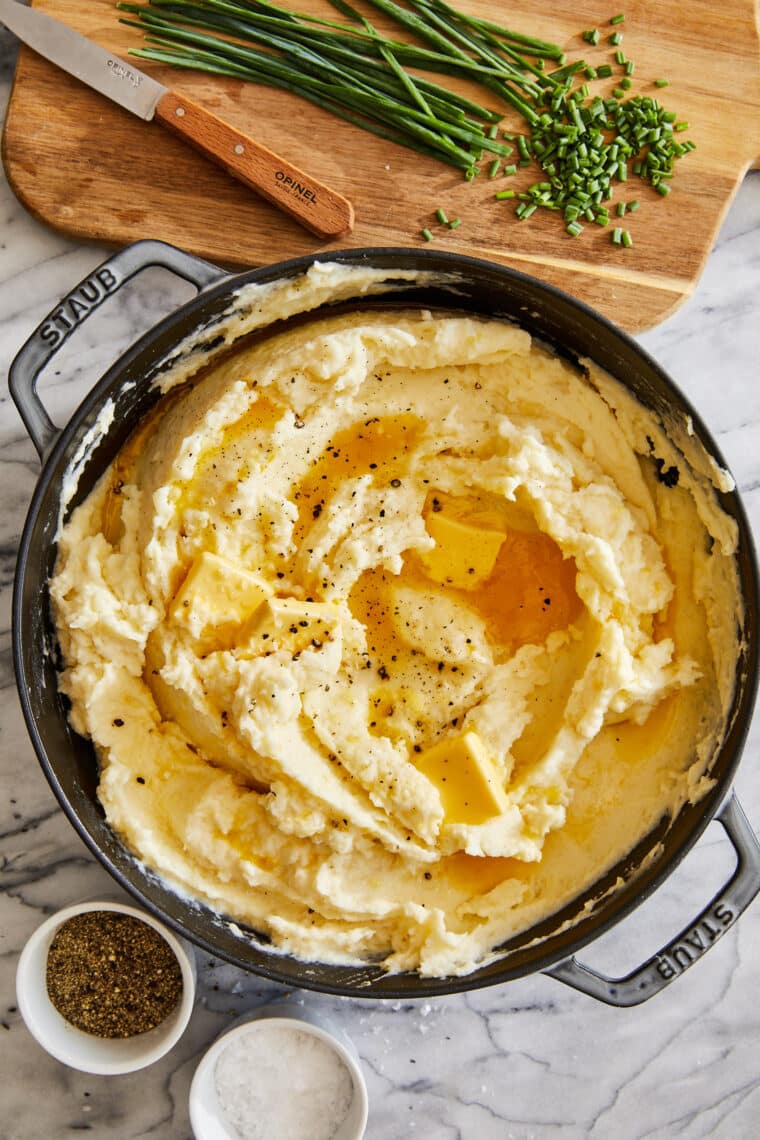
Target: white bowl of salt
{"type": "Point", "coordinates": [280, 1072]}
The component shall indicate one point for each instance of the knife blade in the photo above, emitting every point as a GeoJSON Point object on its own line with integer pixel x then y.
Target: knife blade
{"type": "Point", "coordinates": [321, 210]}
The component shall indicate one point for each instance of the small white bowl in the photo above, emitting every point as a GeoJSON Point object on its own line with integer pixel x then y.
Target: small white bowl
{"type": "Point", "coordinates": [85, 1051]}
{"type": "Point", "coordinates": [206, 1112]}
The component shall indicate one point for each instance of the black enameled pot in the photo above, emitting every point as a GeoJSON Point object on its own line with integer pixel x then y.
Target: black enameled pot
{"type": "Point", "coordinates": [69, 762]}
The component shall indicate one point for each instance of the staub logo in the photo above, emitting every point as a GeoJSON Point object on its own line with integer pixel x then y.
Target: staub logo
{"type": "Point", "coordinates": [694, 942]}
{"type": "Point", "coordinates": [292, 186]}
{"type": "Point", "coordinates": [78, 305]}
{"type": "Point", "coordinates": [121, 71]}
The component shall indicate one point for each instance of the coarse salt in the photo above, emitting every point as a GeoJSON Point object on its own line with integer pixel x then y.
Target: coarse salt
{"type": "Point", "coordinates": [280, 1081]}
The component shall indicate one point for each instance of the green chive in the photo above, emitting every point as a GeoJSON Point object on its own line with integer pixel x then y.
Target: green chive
{"type": "Point", "coordinates": [663, 188]}
{"type": "Point", "coordinates": [616, 38]}
{"type": "Point", "coordinates": [581, 143]}
{"type": "Point", "coordinates": [629, 67]}
{"type": "Point", "coordinates": [621, 208]}
{"type": "Point", "coordinates": [682, 126]}
{"type": "Point", "coordinates": [427, 235]}
{"type": "Point", "coordinates": [574, 229]}
{"type": "Point", "coordinates": [662, 83]}
{"type": "Point", "coordinates": [627, 239]}
{"type": "Point", "coordinates": [617, 235]}
{"type": "Point", "coordinates": [501, 195]}
{"type": "Point", "coordinates": [634, 205]}
{"type": "Point", "coordinates": [455, 223]}
{"type": "Point", "coordinates": [441, 216]}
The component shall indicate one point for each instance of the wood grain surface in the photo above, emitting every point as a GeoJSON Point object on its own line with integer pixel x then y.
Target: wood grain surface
{"type": "Point", "coordinates": [90, 169]}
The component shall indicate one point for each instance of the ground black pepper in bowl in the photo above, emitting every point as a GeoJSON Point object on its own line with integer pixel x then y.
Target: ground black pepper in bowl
{"type": "Point", "coordinates": [111, 975]}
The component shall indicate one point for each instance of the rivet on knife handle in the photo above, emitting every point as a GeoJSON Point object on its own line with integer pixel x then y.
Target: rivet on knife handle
{"type": "Point", "coordinates": [314, 205]}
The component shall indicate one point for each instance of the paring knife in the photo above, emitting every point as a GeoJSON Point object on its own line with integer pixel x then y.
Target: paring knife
{"type": "Point", "coordinates": [315, 206]}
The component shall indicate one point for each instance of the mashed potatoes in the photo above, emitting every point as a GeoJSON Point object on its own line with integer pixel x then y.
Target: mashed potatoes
{"type": "Point", "coordinates": [394, 632]}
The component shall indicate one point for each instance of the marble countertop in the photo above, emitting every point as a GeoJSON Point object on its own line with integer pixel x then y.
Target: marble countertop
{"type": "Point", "coordinates": [525, 1061]}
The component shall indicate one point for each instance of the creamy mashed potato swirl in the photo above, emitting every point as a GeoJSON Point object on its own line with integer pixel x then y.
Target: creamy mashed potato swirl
{"type": "Point", "coordinates": [394, 632]}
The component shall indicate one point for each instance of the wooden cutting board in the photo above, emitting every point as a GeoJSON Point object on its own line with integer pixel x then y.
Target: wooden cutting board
{"type": "Point", "coordinates": [90, 169]}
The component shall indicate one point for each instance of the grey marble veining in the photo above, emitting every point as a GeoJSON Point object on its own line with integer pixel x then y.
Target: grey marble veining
{"type": "Point", "coordinates": [527, 1061]}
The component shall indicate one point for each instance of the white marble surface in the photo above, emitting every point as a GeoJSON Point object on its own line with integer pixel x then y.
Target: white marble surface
{"type": "Point", "coordinates": [527, 1061]}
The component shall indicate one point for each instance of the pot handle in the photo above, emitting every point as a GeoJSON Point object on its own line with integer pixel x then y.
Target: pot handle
{"type": "Point", "coordinates": [75, 308]}
{"type": "Point", "coordinates": [714, 920]}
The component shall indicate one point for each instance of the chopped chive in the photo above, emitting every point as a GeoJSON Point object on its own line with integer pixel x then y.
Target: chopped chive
{"type": "Point", "coordinates": [591, 36]}
{"type": "Point", "coordinates": [470, 173]}
{"type": "Point", "coordinates": [634, 205]}
{"type": "Point", "coordinates": [493, 131]}
{"type": "Point", "coordinates": [524, 162]}
{"type": "Point", "coordinates": [427, 235]}
{"type": "Point", "coordinates": [619, 93]}
{"type": "Point", "coordinates": [627, 239]}
{"type": "Point", "coordinates": [620, 58]}
{"type": "Point", "coordinates": [441, 216]}
{"type": "Point", "coordinates": [493, 169]}
{"type": "Point", "coordinates": [662, 83]}
{"type": "Point", "coordinates": [617, 235]}
{"type": "Point", "coordinates": [619, 19]}
{"type": "Point", "coordinates": [629, 67]}
{"type": "Point", "coordinates": [501, 195]}
{"type": "Point", "coordinates": [574, 229]}
{"type": "Point", "coordinates": [682, 126]}
{"type": "Point", "coordinates": [511, 169]}
{"type": "Point", "coordinates": [529, 210]}
{"type": "Point", "coordinates": [604, 72]}
{"type": "Point", "coordinates": [590, 72]}
{"type": "Point", "coordinates": [663, 188]}
{"type": "Point", "coordinates": [616, 38]}
{"type": "Point", "coordinates": [621, 208]}
{"type": "Point", "coordinates": [455, 223]}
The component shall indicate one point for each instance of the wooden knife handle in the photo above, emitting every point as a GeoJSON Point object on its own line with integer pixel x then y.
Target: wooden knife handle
{"type": "Point", "coordinates": [314, 205]}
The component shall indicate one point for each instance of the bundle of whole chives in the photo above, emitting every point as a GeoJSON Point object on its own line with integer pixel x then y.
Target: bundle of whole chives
{"type": "Point", "coordinates": [354, 71]}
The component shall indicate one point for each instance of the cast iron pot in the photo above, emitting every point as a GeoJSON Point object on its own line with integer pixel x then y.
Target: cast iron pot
{"type": "Point", "coordinates": [69, 762]}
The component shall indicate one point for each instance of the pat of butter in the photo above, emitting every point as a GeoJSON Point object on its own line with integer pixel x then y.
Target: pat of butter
{"type": "Point", "coordinates": [466, 779]}
{"type": "Point", "coordinates": [465, 552]}
{"type": "Point", "coordinates": [287, 623]}
{"type": "Point", "coordinates": [217, 593]}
